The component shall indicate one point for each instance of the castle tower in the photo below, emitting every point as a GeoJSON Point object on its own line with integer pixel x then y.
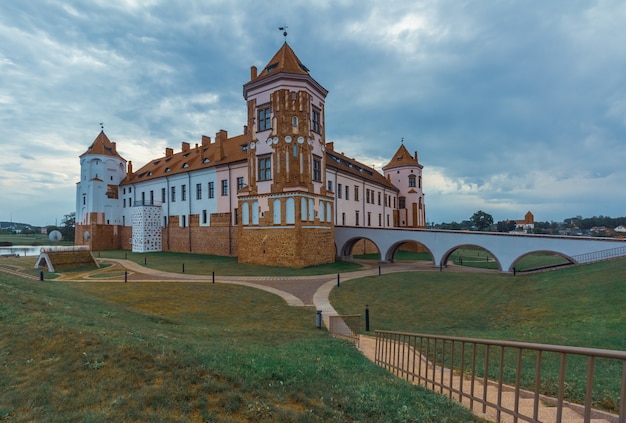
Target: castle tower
{"type": "Point", "coordinates": [405, 172]}
{"type": "Point", "coordinates": [98, 208]}
{"type": "Point", "coordinates": [286, 213]}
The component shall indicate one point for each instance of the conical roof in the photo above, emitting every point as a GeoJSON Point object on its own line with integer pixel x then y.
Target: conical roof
{"type": "Point", "coordinates": [103, 146]}
{"type": "Point", "coordinates": [401, 158]}
{"type": "Point", "coordinates": [285, 61]}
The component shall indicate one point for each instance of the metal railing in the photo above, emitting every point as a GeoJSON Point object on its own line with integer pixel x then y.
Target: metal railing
{"type": "Point", "coordinates": [346, 327]}
{"type": "Point", "coordinates": [600, 255]}
{"type": "Point", "coordinates": [510, 378]}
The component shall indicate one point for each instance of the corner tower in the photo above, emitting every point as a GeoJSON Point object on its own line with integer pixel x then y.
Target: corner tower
{"type": "Point", "coordinates": [286, 213]}
{"type": "Point", "coordinates": [98, 208]}
{"type": "Point", "coordinates": [405, 172]}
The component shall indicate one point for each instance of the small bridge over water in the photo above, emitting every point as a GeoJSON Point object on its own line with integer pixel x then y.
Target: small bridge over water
{"type": "Point", "coordinates": [506, 248]}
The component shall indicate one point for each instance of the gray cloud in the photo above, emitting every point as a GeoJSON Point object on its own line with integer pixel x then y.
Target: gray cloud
{"type": "Point", "coordinates": [511, 106]}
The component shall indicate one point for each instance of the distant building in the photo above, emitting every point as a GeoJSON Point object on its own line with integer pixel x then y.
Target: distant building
{"type": "Point", "coordinates": [271, 195]}
{"type": "Point", "coordinates": [527, 224]}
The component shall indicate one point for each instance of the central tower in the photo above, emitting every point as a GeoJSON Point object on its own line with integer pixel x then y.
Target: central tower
{"type": "Point", "coordinates": [286, 211]}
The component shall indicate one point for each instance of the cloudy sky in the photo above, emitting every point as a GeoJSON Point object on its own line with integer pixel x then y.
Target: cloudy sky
{"type": "Point", "coordinates": [511, 105]}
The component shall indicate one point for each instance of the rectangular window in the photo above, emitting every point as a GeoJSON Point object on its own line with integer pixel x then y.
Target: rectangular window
{"type": "Point", "coordinates": [380, 219]}
{"type": "Point", "coordinates": [343, 219]}
{"type": "Point", "coordinates": [379, 198]}
{"type": "Point", "coordinates": [265, 169]}
{"type": "Point", "coordinates": [165, 221]}
{"type": "Point", "coordinates": [239, 183]}
{"type": "Point", "coordinates": [356, 193]}
{"type": "Point", "coordinates": [315, 121]}
{"type": "Point", "coordinates": [402, 203]}
{"type": "Point", "coordinates": [338, 190]}
{"type": "Point", "coordinates": [162, 195]}
{"type": "Point", "coordinates": [317, 169]}
{"type": "Point", "coordinates": [330, 186]}
{"type": "Point", "coordinates": [347, 192]}
{"type": "Point", "coordinates": [412, 181]}
{"type": "Point", "coordinates": [143, 198]}
{"type": "Point", "coordinates": [204, 217]}
{"type": "Point", "coordinates": [369, 218]}
{"type": "Point", "coordinates": [183, 193]}
{"type": "Point", "coordinates": [356, 217]}
{"type": "Point", "coordinates": [124, 202]}
{"type": "Point", "coordinates": [236, 217]}
{"type": "Point", "coordinates": [211, 189]}
{"type": "Point", "coordinates": [151, 198]}
{"type": "Point", "coordinates": [183, 221]}
{"type": "Point", "coordinates": [264, 119]}
{"type": "Point", "coordinates": [224, 186]}
{"type": "Point", "coordinates": [130, 202]}
{"type": "Point", "coordinates": [173, 195]}
{"type": "Point", "coordinates": [198, 191]}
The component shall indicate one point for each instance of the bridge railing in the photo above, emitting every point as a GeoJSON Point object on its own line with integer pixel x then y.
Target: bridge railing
{"type": "Point", "coordinates": [509, 377]}
{"type": "Point", "coordinates": [600, 255]}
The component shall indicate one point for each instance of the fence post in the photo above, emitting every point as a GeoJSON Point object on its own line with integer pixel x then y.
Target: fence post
{"type": "Point", "coordinates": [213, 276]}
{"type": "Point", "coordinates": [145, 260]}
{"type": "Point", "coordinates": [318, 319]}
{"type": "Point", "coordinates": [367, 318]}
{"type": "Point", "coordinates": [338, 283]}
{"type": "Point", "coordinates": [379, 270]}
{"type": "Point", "coordinates": [125, 276]}
{"type": "Point", "coordinates": [183, 267]}
{"type": "Point", "coordinates": [41, 275]}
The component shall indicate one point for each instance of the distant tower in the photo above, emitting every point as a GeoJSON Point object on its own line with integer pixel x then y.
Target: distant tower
{"type": "Point", "coordinates": [286, 214]}
{"type": "Point", "coordinates": [97, 197]}
{"type": "Point", "coordinates": [405, 172]}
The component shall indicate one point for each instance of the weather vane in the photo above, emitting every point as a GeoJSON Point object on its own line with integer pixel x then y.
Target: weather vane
{"type": "Point", "coordinates": [102, 125]}
{"type": "Point", "coordinates": [402, 140]}
{"type": "Point", "coordinates": [284, 29]}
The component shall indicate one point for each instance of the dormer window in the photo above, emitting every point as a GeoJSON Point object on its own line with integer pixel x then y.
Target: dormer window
{"type": "Point", "coordinates": [206, 160]}
{"type": "Point", "coordinates": [185, 165]}
{"type": "Point", "coordinates": [167, 169]}
{"type": "Point", "coordinates": [271, 67]}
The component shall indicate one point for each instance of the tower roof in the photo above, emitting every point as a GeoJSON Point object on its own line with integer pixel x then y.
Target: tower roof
{"type": "Point", "coordinates": [285, 61]}
{"type": "Point", "coordinates": [402, 158]}
{"type": "Point", "coordinates": [103, 146]}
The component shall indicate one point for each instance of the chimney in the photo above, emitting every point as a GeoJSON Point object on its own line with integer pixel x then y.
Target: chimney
{"type": "Point", "coordinates": [185, 146]}
{"type": "Point", "coordinates": [169, 152]}
{"type": "Point", "coordinates": [245, 129]}
{"type": "Point", "coordinates": [416, 155]}
{"type": "Point", "coordinates": [220, 139]}
{"type": "Point", "coordinates": [330, 146]}
{"type": "Point", "coordinates": [206, 141]}
{"type": "Point", "coordinates": [129, 172]}
{"type": "Point", "coordinates": [196, 147]}
{"type": "Point", "coordinates": [114, 145]}
{"type": "Point", "coordinates": [253, 73]}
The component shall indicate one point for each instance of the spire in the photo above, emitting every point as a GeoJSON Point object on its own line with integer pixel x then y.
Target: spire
{"type": "Point", "coordinates": [401, 158]}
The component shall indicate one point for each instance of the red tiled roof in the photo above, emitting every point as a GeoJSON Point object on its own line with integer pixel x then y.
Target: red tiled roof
{"type": "Point", "coordinates": [401, 158]}
{"type": "Point", "coordinates": [193, 158]}
{"type": "Point", "coordinates": [285, 61]}
{"type": "Point", "coordinates": [102, 145]}
{"type": "Point", "coordinates": [351, 166]}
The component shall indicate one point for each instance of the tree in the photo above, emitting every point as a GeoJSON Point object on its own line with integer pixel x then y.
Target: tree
{"type": "Point", "coordinates": [506, 226]}
{"type": "Point", "coordinates": [481, 220]}
{"type": "Point", "coordinates": [68, 225]}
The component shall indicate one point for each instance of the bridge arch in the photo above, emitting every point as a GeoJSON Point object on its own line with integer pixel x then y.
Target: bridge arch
{"type": "Point", "coordinates": [348, 246]}
{"type": "Point", "coordinates": [446, 256]}
{"type": "Point", "coordinates": [564, 256]}
{"type": "Point", "coordinates": [393, 249]}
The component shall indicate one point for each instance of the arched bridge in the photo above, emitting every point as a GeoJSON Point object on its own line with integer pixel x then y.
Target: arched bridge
{"type": "Point", "coordinates": [506, 248]}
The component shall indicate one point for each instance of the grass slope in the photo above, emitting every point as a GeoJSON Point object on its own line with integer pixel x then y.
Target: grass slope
{"type": "Point", "coordinates": [102, 352]}
{"type": "Point", "coordinates": [578, 306]}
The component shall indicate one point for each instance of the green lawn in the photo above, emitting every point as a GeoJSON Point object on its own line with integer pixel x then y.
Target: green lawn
{"type": "Point", "coordinates": [202, 264]}
{"type": "Point", "coordinates": [102, 352]}
{"type": "Point", "coordinates": [579, 306]}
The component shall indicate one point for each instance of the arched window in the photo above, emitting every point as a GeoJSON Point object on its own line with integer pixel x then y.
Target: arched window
{"type": "Point", "coordinates": [276, 207]}
{"type": "Point", "coordinates": [294, 121]}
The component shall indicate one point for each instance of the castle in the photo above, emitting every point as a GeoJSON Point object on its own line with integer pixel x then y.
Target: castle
{"type": "Point", "coordinates": [272, 195]}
